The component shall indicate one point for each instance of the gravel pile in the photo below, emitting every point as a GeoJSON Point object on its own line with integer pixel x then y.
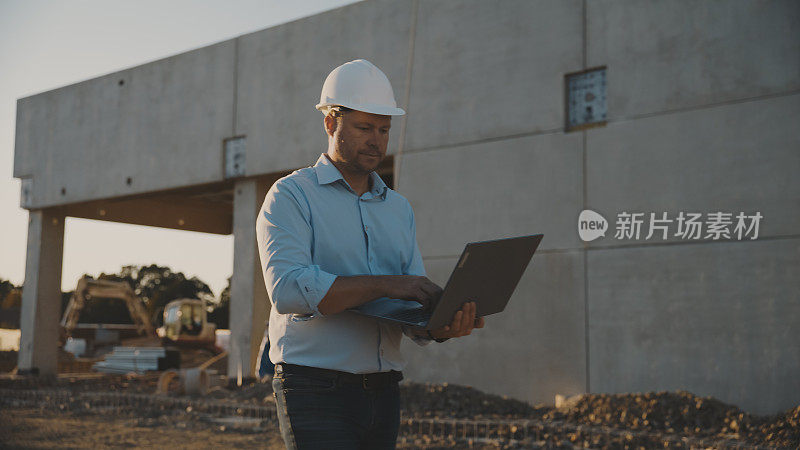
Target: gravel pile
{"type": "Point", "coordinates": [680, 413]}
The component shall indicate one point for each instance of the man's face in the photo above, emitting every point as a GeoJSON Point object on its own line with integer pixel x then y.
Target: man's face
{"type": "Point", "coordinates": [360, 140]}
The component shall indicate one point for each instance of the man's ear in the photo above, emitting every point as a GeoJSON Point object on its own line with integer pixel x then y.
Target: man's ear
{"type": "Point", "coordinates": [330, 124]}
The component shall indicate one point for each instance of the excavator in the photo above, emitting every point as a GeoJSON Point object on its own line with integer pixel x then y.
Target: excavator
{"type": "Point", "coordinates": [104, 334]}
{"type": "Point", "coordinates": [185, 319]}
{"type": "Point", "coordinates": [186, 340]}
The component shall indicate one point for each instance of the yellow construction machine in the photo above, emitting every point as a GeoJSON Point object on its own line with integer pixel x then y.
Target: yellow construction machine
{"type": "Point", "coordinates": [104, 334]}
{"type": "Point", "coordinates": [185, 319]}
{"type": "Point", "coordinates": [186, 324]}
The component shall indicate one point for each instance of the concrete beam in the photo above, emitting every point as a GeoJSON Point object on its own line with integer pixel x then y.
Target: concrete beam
{"type": "Point", "coordinates": [152, 127]}
{"type": "Point", "coordinates": [210, 218]}
{"type": "Point", "coordinates": [41, 296]}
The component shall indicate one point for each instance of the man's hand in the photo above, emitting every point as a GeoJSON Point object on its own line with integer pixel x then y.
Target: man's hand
{"type": "Point", "coordinates": [349, 291]}
{"type": "Point", "coordinates": [463, 322]}
{"type": "Point", "coordinates": [415, 288]}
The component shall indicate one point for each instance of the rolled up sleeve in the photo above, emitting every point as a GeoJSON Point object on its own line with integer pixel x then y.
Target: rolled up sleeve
{"type": "Point", "coordinates": [284, 236]}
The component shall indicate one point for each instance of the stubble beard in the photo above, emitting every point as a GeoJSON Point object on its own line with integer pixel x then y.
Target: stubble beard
{"type": "Point", "coordinates": [354, 166]}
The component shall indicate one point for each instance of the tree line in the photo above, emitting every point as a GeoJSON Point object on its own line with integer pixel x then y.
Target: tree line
{"type": "Point", "coordinates": [155, 285]}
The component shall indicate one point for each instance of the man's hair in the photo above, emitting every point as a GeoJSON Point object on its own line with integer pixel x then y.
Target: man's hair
{"type": "Point", "coordinates": [338, 112]}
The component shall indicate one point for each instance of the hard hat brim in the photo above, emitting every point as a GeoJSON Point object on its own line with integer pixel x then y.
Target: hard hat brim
{"type": "Point", "coordinates": [372, 109]}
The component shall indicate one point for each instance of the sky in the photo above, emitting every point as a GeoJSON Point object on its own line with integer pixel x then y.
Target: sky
{"type": "Point", "coordinates": [50, 44]}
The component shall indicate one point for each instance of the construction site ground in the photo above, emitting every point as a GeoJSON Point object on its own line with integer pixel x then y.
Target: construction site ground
{"type": "Point", "coordinates": [91, 410]}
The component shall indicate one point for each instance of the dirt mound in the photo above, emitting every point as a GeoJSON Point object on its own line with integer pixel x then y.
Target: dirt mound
{"type": "Point", "coordinates": [454, 401]}
{"type": "Point", "coordinates": [780, 430]}
{"type": "Point", "coordinates": [681, 413]}
{"type": "Point", "coordinates": [668, 411]}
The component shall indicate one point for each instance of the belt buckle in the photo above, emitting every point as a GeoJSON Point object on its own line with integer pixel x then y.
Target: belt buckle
{"type": "Point", "coordinates": [364, 383]}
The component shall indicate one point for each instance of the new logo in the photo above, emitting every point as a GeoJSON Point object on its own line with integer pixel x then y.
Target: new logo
{"type": "Point", "coordinates": [591, 225]}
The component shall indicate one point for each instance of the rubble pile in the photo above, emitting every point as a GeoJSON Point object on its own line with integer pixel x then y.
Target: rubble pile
{"type": "Point", "coordinates": [668, 411]}
{"type": "Point", "coordinates": [781, 430]}
{"type": "Point", "coordinates": [680, 413]}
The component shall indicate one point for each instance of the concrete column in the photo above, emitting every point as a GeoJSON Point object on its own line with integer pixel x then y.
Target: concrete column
{"type": "Point", "coordinates": [41, 296]}
{"type": "Point", "coordinates": [249, 300]}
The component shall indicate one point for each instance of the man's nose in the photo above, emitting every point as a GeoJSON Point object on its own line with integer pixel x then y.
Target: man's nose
{"type": "Point", "coordinates": [374, 139]}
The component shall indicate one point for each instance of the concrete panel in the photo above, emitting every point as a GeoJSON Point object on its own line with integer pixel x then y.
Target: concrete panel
{"type": "Point", "coordinates": [495, 189]}
{"type": "Point", "coordinates": [160, 125]}
{"type": "Point", "coordinates": [41, 298]}
{"type": "Point", "coordinates": [487, 69]}
{"type": "Point", "coordinates": [733, 158]}
{"type": "Point", "coordinates": [670, 55]}
{"type": "Point", "coordinates": [281, 71]}
{"type": "Point", "coordinates": [717, 319]}
{"type": "Point", "coordinates": [531, 351]}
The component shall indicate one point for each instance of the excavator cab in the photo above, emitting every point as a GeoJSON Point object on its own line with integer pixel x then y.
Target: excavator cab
{"type": "Point", "coordinates": [185, 323]}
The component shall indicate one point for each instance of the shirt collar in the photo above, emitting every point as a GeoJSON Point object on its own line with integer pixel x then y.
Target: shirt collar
{"type": "Point", "coordinates": [327, 173]}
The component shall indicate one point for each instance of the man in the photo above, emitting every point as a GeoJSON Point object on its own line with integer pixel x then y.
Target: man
{"type": "Point", "coordinates": [332, 237]}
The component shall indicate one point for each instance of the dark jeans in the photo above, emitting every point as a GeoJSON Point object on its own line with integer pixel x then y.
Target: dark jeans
{"type": "Point", "coordinates": [324, 413]}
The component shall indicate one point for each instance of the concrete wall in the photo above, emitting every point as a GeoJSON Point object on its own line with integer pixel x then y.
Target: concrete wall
{"type": "Point", "coordinates": [281, 71]}
{"type": "Point", "coordinates": [144, 129]}
{"type": "Point", "coordinates": [703, 102]}
{"type": "Point", "coordinates": [701, 107]}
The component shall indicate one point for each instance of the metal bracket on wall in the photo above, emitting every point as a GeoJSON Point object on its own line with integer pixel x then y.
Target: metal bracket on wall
{"type": "Point", "coordinates": [585, 98]}
{"type": "Point", "coordinates": [234, 156]}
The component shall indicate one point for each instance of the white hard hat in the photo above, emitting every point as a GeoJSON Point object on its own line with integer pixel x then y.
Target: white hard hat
{"type": "Point", "coordinates": [359, 85]}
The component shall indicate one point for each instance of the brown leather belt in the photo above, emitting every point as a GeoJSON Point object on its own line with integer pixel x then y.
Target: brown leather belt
{"type": "Point", "coordinates": [365, 380]}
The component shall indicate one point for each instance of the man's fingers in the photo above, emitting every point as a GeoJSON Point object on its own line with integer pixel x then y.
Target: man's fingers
{"type": "Point", "coordinates": [455, 326]}
{"type": "Point", "coordinates": [465, 317]}
{"type": "Point", "coordinates": [432, 291]}
{"type": "Point", "coordinates": [470, 319]}
{"type": "Point", "coordinates": [425, 292]}
{"type": "Point", "coordinates": [464, 321]}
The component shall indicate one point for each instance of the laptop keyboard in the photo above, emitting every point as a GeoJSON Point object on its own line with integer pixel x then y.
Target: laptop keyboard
{"type": "Point", "coordinates": [411, 315]}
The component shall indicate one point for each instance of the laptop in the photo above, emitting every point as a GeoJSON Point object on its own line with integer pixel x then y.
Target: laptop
{"type": "Point", "coordinates": [487, 273]}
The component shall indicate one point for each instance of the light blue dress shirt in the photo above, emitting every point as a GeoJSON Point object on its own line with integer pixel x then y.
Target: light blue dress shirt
{"type": "Point", "coordinates": [313, 227]}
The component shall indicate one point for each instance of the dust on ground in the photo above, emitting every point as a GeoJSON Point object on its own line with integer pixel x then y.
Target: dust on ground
{"type": "Point", "coordinates": [31, 428]}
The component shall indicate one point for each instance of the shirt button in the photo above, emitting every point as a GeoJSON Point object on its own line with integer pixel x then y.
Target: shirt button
{"type": "Point", "coordinates": [367, 227]}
